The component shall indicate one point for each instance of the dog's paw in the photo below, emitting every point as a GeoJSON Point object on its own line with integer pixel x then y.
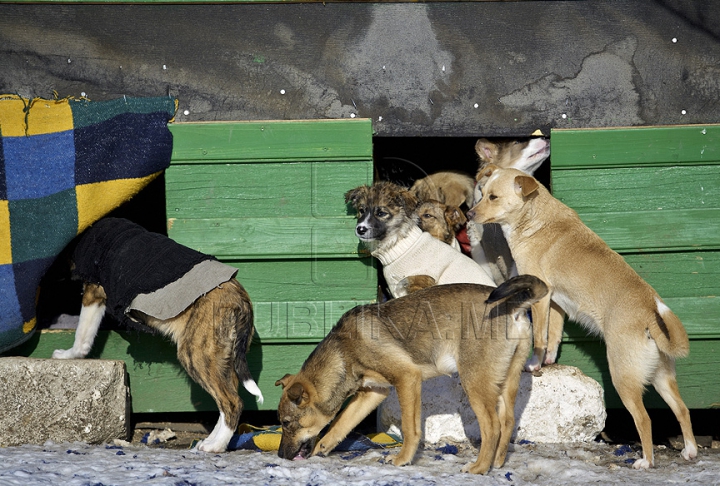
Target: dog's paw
{"type": "Point", "coordinates": [474, 468]}
{"type": "Point", "coordinates": [689, 453]}
{"type": "Point", "coordinates": [413, 283]}
{"type": "Point", "coordinates": [642, 464]}
{"type": "Point", "coordinates": [533, 364]}
{"type": "Point", "coordinates": [324, 446]}
{"type": "Point", "coordinates": [210, 446]}
{"type": "Point", "coordinates": [399, 460]}
{"type": "Point", "coordinates": [63, 354]}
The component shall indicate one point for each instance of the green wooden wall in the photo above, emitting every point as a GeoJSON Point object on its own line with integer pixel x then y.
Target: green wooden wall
{"type": "Point", "coordinates": [653, 194]}
{"type": "Point", "coordinates": [267, 198]}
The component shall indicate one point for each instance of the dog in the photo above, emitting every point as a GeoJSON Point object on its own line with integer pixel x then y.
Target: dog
{"type": "Point", "coordinates": [487, 244]}
{"type": "Point", "coordinates": [449, 187]}
{"type": "Point", "coordinates": [480, 332]}
{"type": "Point", "coordinates": [442, 221]}
{"type": "Point", "coordinates": [597, 289]}
{"type": "Point", "coordinates": [146, 279]}
{"type": "Point", "coordinates": [385, 226]}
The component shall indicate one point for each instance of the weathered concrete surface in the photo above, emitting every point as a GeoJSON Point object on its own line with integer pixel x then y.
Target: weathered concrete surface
{"type": "Point", "coordinates": [63, 400]}
{"type": "Point", "coordinates": [417, 69]}
{"type": "Point", "coordinates": [561, 405]}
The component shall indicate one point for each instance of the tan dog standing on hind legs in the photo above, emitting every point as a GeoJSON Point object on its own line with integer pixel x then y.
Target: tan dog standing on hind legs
{"type": "Point", "coordinates": [597, 289]}
{"type": "Point", "coordinates": [146, 279]}
{"type": "Point", "coordinates": [480, 332]}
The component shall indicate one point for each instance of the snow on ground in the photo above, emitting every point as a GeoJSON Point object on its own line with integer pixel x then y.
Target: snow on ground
{"type": "Point", "coordinates": [71, 464]}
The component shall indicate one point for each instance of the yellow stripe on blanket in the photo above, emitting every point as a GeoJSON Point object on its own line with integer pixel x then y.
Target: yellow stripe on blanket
{"type": "Point", "coordinates": [96, 200]}
{"type": "Point", "coordinates": [384, 439]}
{"type": "Point", "coordinates": [46, 116]}
{"type": "Point", "coordinates": [268, 441]}
{"type": "Point", "coordinates": [5, 245]}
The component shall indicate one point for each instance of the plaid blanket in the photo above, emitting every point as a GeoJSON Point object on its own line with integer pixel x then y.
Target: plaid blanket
{"type": "Point", "coordinates": [64, 164]}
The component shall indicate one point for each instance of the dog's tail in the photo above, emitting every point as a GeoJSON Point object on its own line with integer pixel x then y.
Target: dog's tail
{"type": "Point", "coordinates": [668, 332]}
{"type": "Point", "coordinates": [521, 291]}
{"type": "Point", "coordinates": [245, 330]}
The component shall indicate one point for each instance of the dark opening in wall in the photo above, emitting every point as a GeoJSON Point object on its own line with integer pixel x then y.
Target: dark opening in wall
{"type": "Point", "coordinates": [404, 159]}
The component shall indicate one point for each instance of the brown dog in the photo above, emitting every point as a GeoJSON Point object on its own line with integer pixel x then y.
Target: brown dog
{"type": "Point", "coordinates": [480, 332]}
{"type": "Point", "coordinates": [523, 154]}
{"type": "Point", "coordinates": [449, 187]}
{"type": "Point", "coordinates": [198, 304]}
{"type": "Point", "coordinates": [596, 288]}
{"type": "Point", "coordinates": [442, 221]}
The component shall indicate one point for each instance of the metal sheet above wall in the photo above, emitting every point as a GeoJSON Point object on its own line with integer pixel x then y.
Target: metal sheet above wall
{"type": "Point", "coordinates": [429, 69]}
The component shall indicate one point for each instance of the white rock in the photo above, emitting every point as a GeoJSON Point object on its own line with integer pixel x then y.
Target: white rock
{"type": "Point", "coordinates": [561, 405]}
{"type": "Point", "coordinates": [63, 400]}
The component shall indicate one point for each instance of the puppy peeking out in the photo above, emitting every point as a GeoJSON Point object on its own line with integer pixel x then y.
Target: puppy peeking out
{"type": "Point", "coordinates": [448, 187]}
{"type": "Point", "coordinates": [442, 221]}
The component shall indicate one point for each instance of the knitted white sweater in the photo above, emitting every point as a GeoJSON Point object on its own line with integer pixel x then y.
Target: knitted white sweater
{"type": "Point", "coordinates": [418, 253]}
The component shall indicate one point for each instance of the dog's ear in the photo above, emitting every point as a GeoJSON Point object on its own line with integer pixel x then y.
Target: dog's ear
{"type": "Point", "coordinates": [486, 150]}
{"type": "Point", "coordinates": [489, 170]}
{"type": "Point", "coordinates": [353, 195]}
{"type": "Point", "coordinates": [407, 200]}
{"type": "Point", "coordinates": [525, 185]}
{"type": "Point", "coordinates": [454, 217]}
{"type": "Point", "coordinates": [484, 174]}
{"type": "Point", "coordinates": [284, 380]}
{"type": "Point", "coordinates": [297, 394]}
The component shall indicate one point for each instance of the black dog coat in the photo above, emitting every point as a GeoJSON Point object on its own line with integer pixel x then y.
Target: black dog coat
{"type": "Point", "coordinates": [145, 271]}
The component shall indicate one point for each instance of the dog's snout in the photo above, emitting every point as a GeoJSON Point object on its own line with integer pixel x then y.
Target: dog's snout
{"type": "Point", "coordinates": [470, 215]}
{"type": "Point", "coordinates": [361, 230]}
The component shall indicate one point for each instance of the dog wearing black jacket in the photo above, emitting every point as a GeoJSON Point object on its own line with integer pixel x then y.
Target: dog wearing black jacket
{"type": "Point", "coordinates": [147, 279]}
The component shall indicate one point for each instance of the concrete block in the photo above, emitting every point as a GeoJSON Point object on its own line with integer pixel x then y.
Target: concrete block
{"type": "Point", "coordinates": [63, 400]}
{"type": "Point", "coordinates": [560, 405]}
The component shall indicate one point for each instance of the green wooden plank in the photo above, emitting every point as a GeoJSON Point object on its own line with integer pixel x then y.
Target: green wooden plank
{"type": "Point", "coordinates": [638, 188]}
{"type": "Point", "coordinates": [684, 274]}
{"type": "Point", "coordinates": [308, 280]}
{"type": "Point", "coordinates": [262, 238]}
{"type": "Point", "coordinates": [626, 147]}
{"type": "Point", "coordinates": [157, 381]}
{"type": "Point", "coordinates": [660, 230]}
{"type": "Point", "coordinates": [256, 190]}
{"type": "Point", "coordinates": [268, 141]}
{"type": "Point", "coordinates": [696, 374]}
{"type": "Point", "coordinates": [299, 321]}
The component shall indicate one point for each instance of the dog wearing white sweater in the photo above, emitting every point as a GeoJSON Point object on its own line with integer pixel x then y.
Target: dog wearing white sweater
{"type": "Point", "coordinates": [411, 258]}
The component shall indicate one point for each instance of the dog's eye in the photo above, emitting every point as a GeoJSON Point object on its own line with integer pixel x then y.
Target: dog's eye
{"type": "Point", "coordinates": [380, 213]}
{"type": "Point", "coordinates": [427, 215]}
{"type": "Point", "coordinates": [492, 197]}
